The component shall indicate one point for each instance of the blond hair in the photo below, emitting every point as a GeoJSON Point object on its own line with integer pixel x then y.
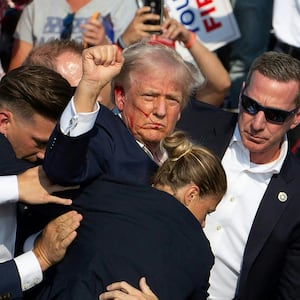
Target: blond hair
{"type": "Point", "coordinates": [188, 162]}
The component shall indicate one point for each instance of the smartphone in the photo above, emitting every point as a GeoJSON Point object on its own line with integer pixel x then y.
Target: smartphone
{"type": "Point", "coordinates": [157, 7]}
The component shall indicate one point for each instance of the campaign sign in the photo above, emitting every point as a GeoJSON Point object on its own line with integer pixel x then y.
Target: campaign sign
{"type": "Point", "coordinates": [212, 20]}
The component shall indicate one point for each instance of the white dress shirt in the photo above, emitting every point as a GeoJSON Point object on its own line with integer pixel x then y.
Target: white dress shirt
{"type": "Point", "coordinates": [8, 225]}
{"type": "Point", "coordinates": [29, 270]}
{"type": "Point", "coordinates": [228, 227]}
{"type": "Point", "coordinates": [27, 264]}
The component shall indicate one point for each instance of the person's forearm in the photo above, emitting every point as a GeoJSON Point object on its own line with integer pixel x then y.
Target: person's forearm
{"type": "Point", "coordinates": [218, 81]}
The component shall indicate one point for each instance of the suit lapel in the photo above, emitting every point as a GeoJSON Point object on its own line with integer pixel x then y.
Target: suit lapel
{"type": "Point", "coordinates": [272, 206]}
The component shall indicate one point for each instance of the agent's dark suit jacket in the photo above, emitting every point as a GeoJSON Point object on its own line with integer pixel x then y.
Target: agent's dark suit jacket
{"type": "Point", "coordinates": [129, 231]}
{"type": "Point", "coordinates": [10, 284]}
{"type": "Point", "coordinates": [271, 263]}
{"type": "Point", "coordinates": [108, 149]}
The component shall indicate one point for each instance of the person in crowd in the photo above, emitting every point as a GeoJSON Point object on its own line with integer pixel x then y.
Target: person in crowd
{"type": "Point", "coordinates": [286, 29]}
{"type": "Point", "coordinates": [238, 55]}
{"type": "Point", "coordinates": [124, 146]}
{"type": "Point", "coordinates": [129, 230]}
{"type": "Point", "coordinates": [69, 19]}
{"type": "Point", "coordinates": [254, 232]}
{"type": "Point", "coordinates": [25, 271]}
{"type": "Point", "coordinates": [65, 57]}
{"type": "Point", "coordinates": [29, 106]}
{"type": "Point", "coordinates": [174, 34]}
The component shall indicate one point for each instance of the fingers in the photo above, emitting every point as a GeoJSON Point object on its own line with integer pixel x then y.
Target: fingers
{"type": "Point", "coordinates": [94, 33]}
{"type": "Point", "coordinates": [145, 288]}
{"type": "Point", "coordinates": [174, 30]}
{"type": "Point", "coordinates": [66, 224]}
{"type": "Point", "coordinates": [166, 13]}
{"type": "Point", "coordinates": [51, 246]}
{"type": "Point", "coordinates": [36, 188]}
{"type": "Point", "coordinates": [124, 291]}
{"type": "Point", "coordinates": [122, 286]}
{"type": "Point", "coordinates": [104, 55]}
{"type": "Point", "coordinates": [57, 200]}
{"type": "Point", "coordinates": [116, 295]}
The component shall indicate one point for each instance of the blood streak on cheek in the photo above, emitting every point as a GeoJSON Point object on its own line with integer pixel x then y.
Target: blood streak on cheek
{"type": "Point", "coordinates": [143, 112]}
{"type": "Point", "coordinates": [131, 119]}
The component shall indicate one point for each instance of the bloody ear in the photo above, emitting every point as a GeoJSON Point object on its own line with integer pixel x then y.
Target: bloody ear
{"type": "Point", "coordinates": [119, 97]}
{"type": "Point", "coordinates": [5, 117]}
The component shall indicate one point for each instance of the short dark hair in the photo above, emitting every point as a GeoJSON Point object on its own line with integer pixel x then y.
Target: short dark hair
{"type": "Point", "coordinates": [281, 67]}
{"type": "Point", "coordinates": [27, 90]}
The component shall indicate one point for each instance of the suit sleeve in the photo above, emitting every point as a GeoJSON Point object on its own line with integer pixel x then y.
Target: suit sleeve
{"type": "Point", "coordinates": [10, 283]}
{"type": "Point", "coordinates": [67, 149]}
{"type": "Point", "coordinates": [66, 157]}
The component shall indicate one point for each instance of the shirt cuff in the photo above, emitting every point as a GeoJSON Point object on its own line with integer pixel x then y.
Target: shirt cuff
{"type": "Point", "coordinates": [29, 242]}
{"type": "Point", "coordinates": [73, 123]}
{"type": "Point", "coordinates": [9, 189]}
{"type": "Point", "coordinates": [29, 270]}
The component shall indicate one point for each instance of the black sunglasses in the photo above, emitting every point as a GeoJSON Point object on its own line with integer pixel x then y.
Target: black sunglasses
{"type": "Point", "coordinates": [272, 115]}
{"type": "Point", "coordinates": [68, 26]}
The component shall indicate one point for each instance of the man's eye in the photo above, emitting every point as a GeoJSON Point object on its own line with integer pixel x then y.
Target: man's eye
{"type": "Point", "coordinates": [41, 145]}
{"type": "Point", "coordinates": [173, 101]}
{"type": "Point", "coordinates": [148, 97]}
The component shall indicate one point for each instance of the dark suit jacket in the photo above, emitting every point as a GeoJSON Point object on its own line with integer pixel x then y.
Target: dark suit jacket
{"type": "Point", "coordinates": [271, 263]}
{"type": "Point", "coordinates": [108, 149]}
{"type": "Point", "coordinates": [10, 284]}
{"type": "Point", "coordinates": [129, 231]}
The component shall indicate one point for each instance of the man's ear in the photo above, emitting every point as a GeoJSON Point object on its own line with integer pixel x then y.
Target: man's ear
{"type": "Point", "coordinates": [191, 194]}
{"type": "Point", "coordinates": [296, 119]}
{"type": "Point", "coordinates": [5, 119]}
{"type": "Point", "coordinates": [119, 97]}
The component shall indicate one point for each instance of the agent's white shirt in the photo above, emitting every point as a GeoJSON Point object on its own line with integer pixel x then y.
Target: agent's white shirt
{"type": "Point", "coordinates": [228, 227]}
{"type": "Point", "coordinates": [8, 225]}
{"type": "Point", "coordinates": [27, 264]}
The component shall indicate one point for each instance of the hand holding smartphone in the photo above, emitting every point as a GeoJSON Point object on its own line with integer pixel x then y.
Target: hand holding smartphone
{"type": "Point", "coordinates": [157, 7]}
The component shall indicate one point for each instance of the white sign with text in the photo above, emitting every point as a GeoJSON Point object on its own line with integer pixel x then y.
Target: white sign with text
{"type": "Point", "coordinates": [212, 20]}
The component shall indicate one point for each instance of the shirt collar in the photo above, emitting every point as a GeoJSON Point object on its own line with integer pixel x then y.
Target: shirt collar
{"type": "Point", "coordinates": [272, 167]}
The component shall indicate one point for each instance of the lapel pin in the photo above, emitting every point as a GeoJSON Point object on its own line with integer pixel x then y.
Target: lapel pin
{"type": "Point", "coordinates": [282, 196]}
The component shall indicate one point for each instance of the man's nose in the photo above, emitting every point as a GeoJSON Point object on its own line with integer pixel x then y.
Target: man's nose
{"type": "Point", "coordinates": [259, 121]}
{"type": "Point", "coordinates": [160, 108]}
{"type": "Point", "coordinates": [41, 154]}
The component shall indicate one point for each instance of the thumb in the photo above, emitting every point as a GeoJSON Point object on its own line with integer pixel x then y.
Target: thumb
{"type": "Point", "coordinates": [145, 287]}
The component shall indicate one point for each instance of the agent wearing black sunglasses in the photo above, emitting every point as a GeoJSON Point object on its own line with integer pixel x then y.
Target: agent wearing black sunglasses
{"type": "Point", "coordinates": [263, 122]}
{"type": "Point", "coordinates": [272, 115]}
{"type": "Point", "coordinates": [254, 232]}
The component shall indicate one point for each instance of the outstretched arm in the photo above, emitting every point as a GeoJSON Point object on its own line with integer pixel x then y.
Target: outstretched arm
{"type": "Point", "coordinates": [35, 188]}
